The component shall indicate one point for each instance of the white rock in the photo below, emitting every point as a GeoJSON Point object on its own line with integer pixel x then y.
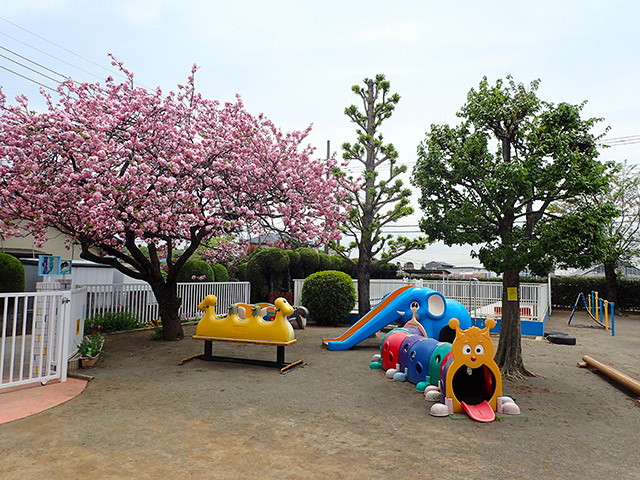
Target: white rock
{"type": "Point", "coordinates": [439, 410]}
{"type": "Point", "coordinates": [510, 408]}
{"type": "Point", "coordinates": [432, 396]}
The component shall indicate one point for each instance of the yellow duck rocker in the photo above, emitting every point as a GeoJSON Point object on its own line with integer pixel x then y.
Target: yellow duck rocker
{"type": "Point", "coordinates": [254, 328]}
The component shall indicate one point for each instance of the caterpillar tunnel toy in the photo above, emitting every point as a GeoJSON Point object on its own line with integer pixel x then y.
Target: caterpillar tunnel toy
{"type": "Point", "coordinates": [462, 376]}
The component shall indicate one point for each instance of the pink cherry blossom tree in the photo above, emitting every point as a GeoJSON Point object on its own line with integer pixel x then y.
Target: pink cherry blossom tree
{"type": "Point", "coordinates": [116, 168]}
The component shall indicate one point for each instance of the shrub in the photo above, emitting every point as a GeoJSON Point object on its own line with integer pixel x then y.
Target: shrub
{"type": "Point", "coordinates": [11, 274]}
{"type": "Point", "coordinates": [344, 265]}
{"type": "Point", "coordinates": [273, 260]}
{"type": "Point", "coordinates": [259, 283]}
{"type": "Point", "coordinates": [329, 296]}
{"type": "Point", "coordinates": [242, 272]}
{"type": "Point", "coordinates": [268, 271]}
{"type": "Point", "coordinates": [220, 272]}
{"type": "Point", "coordinates": [294, 259]}
{"type": "Point", "coordinates": [308, 262]}
{"type": "Point", "coordinates": [112, 322]}
{"type": "Point", "coordinates": [196, 271]}
{"type": "Point", "coordinates": [324, 262]}
{"type": "Point", "coordinates": [629, 294]}
{"type": "Point", "coordinates": [385, 270]}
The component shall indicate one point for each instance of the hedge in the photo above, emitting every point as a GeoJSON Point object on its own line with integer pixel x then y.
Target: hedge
{"type": "Point", "coordinates": [565, 291]}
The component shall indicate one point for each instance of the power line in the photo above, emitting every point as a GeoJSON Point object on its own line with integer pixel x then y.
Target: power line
{"type": "Point", "coordinates": [31, 61]}
{"type": "Point", "coordinates": [60, 47]}
{"type": "Point", "coordinates": [117, 72]}
{"type": "Point", "coordinates": [29, 68]}
{"type": "Point", "coordinates": [615, 142]}
{"type": "Point", "coordinates": [27, 78]}
{"type": "Point", "coordinates": [52, 56]}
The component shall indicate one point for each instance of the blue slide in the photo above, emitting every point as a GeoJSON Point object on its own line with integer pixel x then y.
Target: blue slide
{"type": "Point", "coordinates": [433, 312]}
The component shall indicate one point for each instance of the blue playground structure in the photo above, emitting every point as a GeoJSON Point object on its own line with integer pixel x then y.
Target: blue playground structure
{"type": "Point", "coordinates": [599, 310]}
{"type": "Point", "coordinates": [428, 307]}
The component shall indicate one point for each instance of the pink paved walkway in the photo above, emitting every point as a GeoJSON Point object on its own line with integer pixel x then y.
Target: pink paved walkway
{"type": "Point", "coordinates": [27, 401]}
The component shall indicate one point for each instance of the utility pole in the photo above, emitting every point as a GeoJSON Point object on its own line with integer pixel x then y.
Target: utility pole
{"type": "Point", "coordinates": [326, 247]}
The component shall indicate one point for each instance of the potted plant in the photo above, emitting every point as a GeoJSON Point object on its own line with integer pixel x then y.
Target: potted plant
{"type": "Point", "coordinates": [90, 349]}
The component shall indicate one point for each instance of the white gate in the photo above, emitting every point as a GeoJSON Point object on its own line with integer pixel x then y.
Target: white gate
{"type": "Point", "coordinates": [35, 335]}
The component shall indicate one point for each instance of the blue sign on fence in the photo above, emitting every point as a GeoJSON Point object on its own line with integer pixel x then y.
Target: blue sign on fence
{"type": "Point", "coordinates": [48, 265]}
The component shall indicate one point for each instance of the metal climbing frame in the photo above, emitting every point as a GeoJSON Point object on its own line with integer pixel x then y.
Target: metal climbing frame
{"type": "Point", "coordinates": [600, 311]}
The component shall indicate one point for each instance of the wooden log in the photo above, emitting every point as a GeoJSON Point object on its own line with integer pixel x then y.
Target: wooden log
{"type": "Point", "coordinates": [623, 379]}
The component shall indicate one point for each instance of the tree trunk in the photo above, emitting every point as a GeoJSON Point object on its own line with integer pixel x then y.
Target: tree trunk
{"type": "Point", "coordinates": [364, 300]}
{"type": "Point", "coordinates": [509, 353]}
{"type": "Point", "coordinates": [168, 307]}
{"type": "Point", "coordinates": [611, 282]}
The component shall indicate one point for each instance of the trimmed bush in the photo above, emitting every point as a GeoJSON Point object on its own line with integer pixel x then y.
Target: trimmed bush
{"type": "Point", "coordinates": [195, 270]}
{"type": "Point", "coordinates": [324, 262]}
{"type": "Point", "coordinates": [274, 263]}
{"type": "Point", "coordinates": [242, 272]}
{"type": "Point", "coordinates": [308, 262]}
{"type": "Point", "coordinates": [220, 272]}
{"type": "Point", "coordinates": [11, 274]}
{"type": "Point", "coordinates": [268, 272]}
{"type": "Point", "coordinates": [629, 294]}
{"type": "Point", "coordinates": [329, 296]}
{"type": "Point", "coordinates": [294, 259]}
{"type": "Point", "coordinates": [259, 283]}
{"type": "Point", "coordinates": [344, 265]}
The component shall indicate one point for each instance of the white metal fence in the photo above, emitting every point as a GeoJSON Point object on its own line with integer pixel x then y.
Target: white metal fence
{"type": "Point", "coordinates": [481, 299]}
{"type": "Point", "coordinates": [36, 335]}
{"type": "Point", "coordinates": [138, 298]}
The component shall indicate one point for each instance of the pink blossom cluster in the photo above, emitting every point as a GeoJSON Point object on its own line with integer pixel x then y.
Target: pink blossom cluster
{"type": "Point", "coordinates": [107, 164]}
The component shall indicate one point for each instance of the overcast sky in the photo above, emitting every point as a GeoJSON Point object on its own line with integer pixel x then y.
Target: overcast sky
{"type": "Point", "coordinates": [295, 61]}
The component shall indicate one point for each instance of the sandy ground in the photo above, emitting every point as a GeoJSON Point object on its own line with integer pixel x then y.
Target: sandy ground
{"type": "Point", "coordinates": [146, 416]}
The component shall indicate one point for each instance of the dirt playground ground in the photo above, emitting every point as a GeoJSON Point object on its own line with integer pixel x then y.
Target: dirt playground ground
{"type": "Point", "coordinates": [144, 416]}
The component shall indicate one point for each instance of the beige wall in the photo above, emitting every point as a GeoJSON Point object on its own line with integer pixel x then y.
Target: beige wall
{"type": "Point", "coordinates": [25, 246]}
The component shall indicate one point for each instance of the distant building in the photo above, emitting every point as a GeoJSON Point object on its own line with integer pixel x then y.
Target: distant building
{"type": "Point", "coordinates": [448, 270]}
{"type": "Point", "coordinates": [25, 246]}
{"type": "Point", "coordinates": [82, 272]}
{"type": "Point", "coordinates": [628, 271]}
{"type": "Point", "coordinates": [274, 239]}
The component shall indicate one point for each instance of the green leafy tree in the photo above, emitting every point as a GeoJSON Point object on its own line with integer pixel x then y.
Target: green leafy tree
{"type": "Point", "coordinates": [622, 229]}
{"type": "Point", "coordinates": [377, 202]}
{"type": "Point", "coordinates": [492, 180]}
{"type": "Point", "coordinates": [623, 232]}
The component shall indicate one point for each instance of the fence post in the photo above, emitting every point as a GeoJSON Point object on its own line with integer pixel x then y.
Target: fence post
{"type": "Point", "coordinates": [65, 324]}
